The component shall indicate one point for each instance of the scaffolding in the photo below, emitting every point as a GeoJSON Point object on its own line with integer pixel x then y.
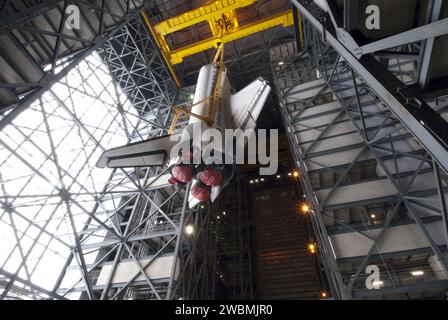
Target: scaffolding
{"type": "Point", "coordinates": [73, 231]}
{"type": "Point", "coordinates": [376, 188]}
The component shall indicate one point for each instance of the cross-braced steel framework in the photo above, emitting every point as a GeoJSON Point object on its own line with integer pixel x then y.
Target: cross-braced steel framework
{"type": "Point", "coordinates": [135, 63]}
{"type": "Point", "coordinates": [39, 48]}
{"type": "Point", "coordinates": [234, 266]}
{"type": "Point", "coordinates": [245, 57]}
{"type": "Point", "coordinates": [75, 227]}
{"type": "Point", "coordinates": [376, 188]}
{"type": "Point", "coordinates": [71, 230]}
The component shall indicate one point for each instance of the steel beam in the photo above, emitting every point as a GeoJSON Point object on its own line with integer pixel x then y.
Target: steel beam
{"type": "Point", "coordinates": [429, 31]}
{"type": "Point", "coordinates": [284, 18]}
{"type": "Point", "coordinates": [441, 193]}
{"type": "Point", "coordinates": [212, 10]}
{"type": "Point", "coordinates": [425, 286]}
{"type": "Point", "coordinates": [434, 8]}
{"type": "Point", "coordinates": [82, 202]}
{"type": "Point", "coordinates": [382, 133]}
{"type": "Point", "coordinates": [32, 285]}
{"type": "Point", "coordinates": [51, 79]}
{"type": "Point", "coordinates": [423, 122]}
{"type": "Point", "coordinates": [351, 16]}
{"type": "Point", "coordinates": [335, 15]}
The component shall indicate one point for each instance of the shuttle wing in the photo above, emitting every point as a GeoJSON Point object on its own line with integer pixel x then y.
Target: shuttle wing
{"type": "Point", "coordinates": [152, 152]}
{"type": "Point", "coordinates": [246, 105]}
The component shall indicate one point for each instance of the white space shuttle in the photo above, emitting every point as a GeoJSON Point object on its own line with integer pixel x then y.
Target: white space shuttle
{"type": "Point", "coordinates": [214, 106]}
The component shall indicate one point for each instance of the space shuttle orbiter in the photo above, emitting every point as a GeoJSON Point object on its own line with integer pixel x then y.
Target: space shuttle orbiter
{"type": "Point", "coordinates": [214, 106]}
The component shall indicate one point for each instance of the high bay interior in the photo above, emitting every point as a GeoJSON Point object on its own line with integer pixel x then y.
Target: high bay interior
{"type": "Point", "coordinates": [356, 210]}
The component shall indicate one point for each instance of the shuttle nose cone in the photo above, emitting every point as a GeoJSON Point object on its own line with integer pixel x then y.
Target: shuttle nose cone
{"type": "Point", "coordinates": [182, 173]}
{"type": "Point", "coordinates": [210, 177]}
{"type": "Point", "coordinates": [202, 193]}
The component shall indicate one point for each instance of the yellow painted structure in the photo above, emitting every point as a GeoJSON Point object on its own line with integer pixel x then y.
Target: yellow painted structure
{"type": "Point", "coordinates": [212, 12]}
{"type": "Point", "coordinates": [222, 19]}
{"type": "Point", "coordinates": [284, 18]}
{"type": "Point", "coordinates": [164, 49]}
{"type": "Point", "coordinates": [214, 99]}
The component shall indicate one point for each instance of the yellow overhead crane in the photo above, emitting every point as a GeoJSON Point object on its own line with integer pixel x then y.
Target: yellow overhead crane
{"type": "Point", "coordinates": [284, 19]}
{"type": "Point", "coordinates": [212, 12]}
{"type": "Point", "coordinates": [223, 22]}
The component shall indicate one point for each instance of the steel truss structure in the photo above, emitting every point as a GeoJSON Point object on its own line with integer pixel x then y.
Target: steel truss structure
{"type": "Point", "coordinates": [70, 230]}
{"type": "Point", "coordinates": [135, 63]}
{"type": "Point", "coordinates": [216, 14]}
{"type": "Point", "coordinates": [373, 175]}
{"type": "Point", "coordinates": [75, 227]}
{"type": "Point", "coordinates": [246, 57]}
{"type": "Point", "coordinates": [40, 49]}
{"type": "Point", "coordinates": [234, 253]}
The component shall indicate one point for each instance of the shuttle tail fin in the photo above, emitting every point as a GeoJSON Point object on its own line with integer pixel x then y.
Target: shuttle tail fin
{"type": "Point", "coordinates": [246, 105]}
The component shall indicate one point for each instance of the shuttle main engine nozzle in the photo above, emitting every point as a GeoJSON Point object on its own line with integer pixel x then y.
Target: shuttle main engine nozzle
{"type": "Point", "coordinates": [181, 174]}
{"type": "Point", "coordinates": [201, 192]}
{"type": "Point", "coordinates": [210, 177]}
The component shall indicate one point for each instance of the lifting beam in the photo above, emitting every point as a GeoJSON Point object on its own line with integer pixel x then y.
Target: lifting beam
{"type": "Point", "coordinates": [222, 19]}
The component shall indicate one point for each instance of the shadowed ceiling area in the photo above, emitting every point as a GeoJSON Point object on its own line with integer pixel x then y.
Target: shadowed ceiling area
{"type": "Point", "coordinates": [244, 57]}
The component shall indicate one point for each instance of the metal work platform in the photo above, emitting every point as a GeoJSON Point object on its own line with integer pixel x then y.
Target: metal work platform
{"type": "Point", "coordinates": [375, 183]}
{"type": "Point", "coordinates": [38, 49]}
{"type": "Point", "coordinates": [365, 112]}
{"type": "Point", "coordinates": [71, 230]}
